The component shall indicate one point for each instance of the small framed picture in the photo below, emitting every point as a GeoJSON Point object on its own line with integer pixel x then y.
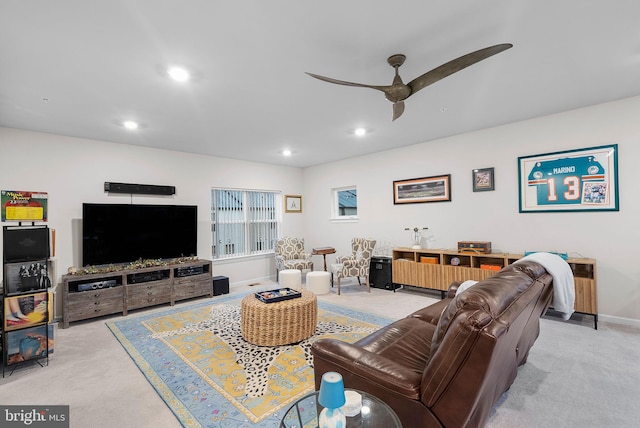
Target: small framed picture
{"type": "Point", "coordinates": [292, 203]}
{"type": "Point", "coordinates": [483, 180]}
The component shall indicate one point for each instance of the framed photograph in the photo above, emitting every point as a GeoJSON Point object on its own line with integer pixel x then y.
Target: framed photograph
{"type": "Point", "coordinates": [25, 310]}
{"type": "Point", "coordinates": [425, 189]}
{"type": "Point", "coordinates": [292, 203]}
{"type": "Point", "coordinates": [483, 180]}
{"type": "Point", "coordinates": [571, 180]}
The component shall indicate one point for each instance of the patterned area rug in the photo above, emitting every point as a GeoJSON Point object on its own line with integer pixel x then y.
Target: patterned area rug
{"type": "Point", "coordinates": [209, 376]}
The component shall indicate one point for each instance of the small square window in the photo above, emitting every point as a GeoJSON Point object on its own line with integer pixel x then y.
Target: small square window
{"type": "Point", "coordinates": [345, 203]}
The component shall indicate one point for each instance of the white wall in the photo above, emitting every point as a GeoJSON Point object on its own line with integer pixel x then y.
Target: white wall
{"type": "Point", "coordinates": [73, 171]}
{"type": "Point", "coordinates": [610, 237]}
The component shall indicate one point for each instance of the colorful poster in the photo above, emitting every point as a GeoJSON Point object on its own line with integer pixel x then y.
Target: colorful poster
{"type": "Point", "coordinates": [573, 180]}
{"type": "Point", "coordinates": [24, 206]}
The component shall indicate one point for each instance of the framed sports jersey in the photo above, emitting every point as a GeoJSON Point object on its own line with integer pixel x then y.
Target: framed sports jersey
{"type": "Point", "coordinates": [572, 180]}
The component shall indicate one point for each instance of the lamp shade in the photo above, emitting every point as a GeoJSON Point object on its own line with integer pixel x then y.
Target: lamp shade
{"type": "Point", "coordinates": [331, 393]}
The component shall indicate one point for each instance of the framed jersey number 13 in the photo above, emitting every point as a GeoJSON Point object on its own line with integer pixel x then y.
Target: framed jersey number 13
{"type": "Point", "coordinates": [571, 180]}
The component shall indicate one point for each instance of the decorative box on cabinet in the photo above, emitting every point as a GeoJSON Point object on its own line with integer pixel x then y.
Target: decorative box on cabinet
{"type": "Point", "coordinates": [437, 269]}
{"type": "Point", "coordinates": [94, 295]}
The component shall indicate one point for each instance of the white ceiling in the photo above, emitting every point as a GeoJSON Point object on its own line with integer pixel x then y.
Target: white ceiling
{"type": "Point", "coordinates": [79, 68]}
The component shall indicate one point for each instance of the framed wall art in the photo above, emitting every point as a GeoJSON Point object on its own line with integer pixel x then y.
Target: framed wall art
{"type": "Point", "coordinates": [483, 180]}
{"type": "Point", "coordinates": [571, 180]}
{"type": "Point", "coordinates": [292, 203]}
{"type": "Point", "coordinates": [425, 189]}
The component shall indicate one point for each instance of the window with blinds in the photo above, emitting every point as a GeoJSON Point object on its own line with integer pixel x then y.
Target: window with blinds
{"type": "Point", "coordinates": [244, 222]}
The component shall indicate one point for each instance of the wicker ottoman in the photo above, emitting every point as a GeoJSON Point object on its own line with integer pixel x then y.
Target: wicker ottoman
{"type": "Point", "coordinates": [280, 323]}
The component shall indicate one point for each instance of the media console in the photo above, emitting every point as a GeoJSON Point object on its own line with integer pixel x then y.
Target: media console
{"type": "Point", "coordinates": [97, 294]}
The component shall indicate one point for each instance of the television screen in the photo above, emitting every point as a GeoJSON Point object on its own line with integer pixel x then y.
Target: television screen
{"type": "Point", "coordinates": [25, 243]}
{"type": "Point", "coordinates": [123, 233]}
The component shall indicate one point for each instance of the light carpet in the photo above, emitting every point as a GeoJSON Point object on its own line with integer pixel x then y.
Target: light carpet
{"type": "Point", "coordinates": [197, 361]}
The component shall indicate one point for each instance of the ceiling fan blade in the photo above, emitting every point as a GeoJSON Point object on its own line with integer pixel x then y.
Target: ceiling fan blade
{"type": "Point", "coordinates": [342, 82]}
{"type": "Point", "coordinates": [454, 66]}
{"type": "Point", "coordinates": [398, 109]}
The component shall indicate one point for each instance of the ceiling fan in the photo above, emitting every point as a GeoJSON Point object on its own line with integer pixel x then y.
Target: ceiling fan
{"type": "Point", "coordinates": [398, 91]}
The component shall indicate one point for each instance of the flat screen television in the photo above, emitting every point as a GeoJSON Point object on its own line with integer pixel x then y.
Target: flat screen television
{"type": "Point", "coordinates": [123, 233]}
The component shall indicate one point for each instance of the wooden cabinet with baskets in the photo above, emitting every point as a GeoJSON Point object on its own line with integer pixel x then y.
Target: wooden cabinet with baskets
{"type": "Point", "coordinates": [437, 269]}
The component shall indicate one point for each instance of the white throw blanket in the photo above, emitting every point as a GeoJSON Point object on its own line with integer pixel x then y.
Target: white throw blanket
{"type": "Point", "coordinates": [564, 292]}
{"type": "Point", "coordinates": [465, 285]}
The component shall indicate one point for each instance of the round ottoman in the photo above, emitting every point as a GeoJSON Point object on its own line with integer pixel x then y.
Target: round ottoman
{"type": "Point", "coordinates": [319, 282]}
{"type": "Point", "coordinates": [291, 278]}
{"type": "Point", "coordinates": [279, 323]}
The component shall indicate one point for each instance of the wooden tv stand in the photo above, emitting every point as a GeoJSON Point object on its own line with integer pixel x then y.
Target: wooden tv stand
{"type": "Point", "coordinates": [93, 295]}
{"type": "Point", "coordinates": [434, 269]}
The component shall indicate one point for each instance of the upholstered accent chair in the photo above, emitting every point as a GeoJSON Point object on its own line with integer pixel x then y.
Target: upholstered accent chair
{"type": "Point", "coordinates": [357, 264]}
{"type": "Point", "coordinates": [290, 255]}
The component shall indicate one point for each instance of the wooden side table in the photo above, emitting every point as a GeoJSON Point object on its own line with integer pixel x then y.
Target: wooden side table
{"type": "Point", "coordinates": [323, 251]}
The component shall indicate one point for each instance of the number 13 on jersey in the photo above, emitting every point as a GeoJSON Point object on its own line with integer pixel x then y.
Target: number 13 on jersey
{"type": "Point", "coordinates": [573, 180]}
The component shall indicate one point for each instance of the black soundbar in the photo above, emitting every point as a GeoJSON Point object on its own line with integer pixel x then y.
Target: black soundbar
{"type": "Point", "coordinates": [139, 189]}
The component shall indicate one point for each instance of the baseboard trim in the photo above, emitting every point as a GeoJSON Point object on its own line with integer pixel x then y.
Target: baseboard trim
{"type": "Point", "coordinates": [254, 281]}
{"type": "Point", "coordinates": [619, 320]}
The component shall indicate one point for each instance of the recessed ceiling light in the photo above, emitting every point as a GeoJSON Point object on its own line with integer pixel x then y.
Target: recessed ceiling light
{"type": "Point", "coordinates": [178, 74]}
{"type": "Point", "coordinates": [360, 132]}
{"type": "Point", "coordinates": [130, 124]}
{"type": "Point", "coordinates": [286, 152]}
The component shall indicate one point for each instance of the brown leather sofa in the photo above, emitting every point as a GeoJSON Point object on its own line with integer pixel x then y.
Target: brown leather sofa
{"type": "Point", "coordinates": [446, 365]}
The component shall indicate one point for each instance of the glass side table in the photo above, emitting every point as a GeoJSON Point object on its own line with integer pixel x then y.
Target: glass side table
{"type": "Point", "coordinates": [374, 413]}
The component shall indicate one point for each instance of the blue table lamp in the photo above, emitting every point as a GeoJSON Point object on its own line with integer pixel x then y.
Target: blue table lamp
{"type": "Point", "coordinates": [331, 397]}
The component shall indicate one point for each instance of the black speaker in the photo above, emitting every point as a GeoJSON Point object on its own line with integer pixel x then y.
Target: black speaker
{"type": "Point", "coordinates": [380, 274]}
{"type": "Point", "coordinates": [220, 285]}
{"type": "Point", "coordinates": [139, 189]}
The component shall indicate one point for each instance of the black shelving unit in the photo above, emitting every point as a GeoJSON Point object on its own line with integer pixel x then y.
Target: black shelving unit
{"type": "Point", "coordinates": [27, 336]}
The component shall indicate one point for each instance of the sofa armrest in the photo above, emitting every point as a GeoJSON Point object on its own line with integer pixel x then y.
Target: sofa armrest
{"type": "Point", "coordinates": [453, 288]}
{"type": "Point", "coordinates": [369, 367]}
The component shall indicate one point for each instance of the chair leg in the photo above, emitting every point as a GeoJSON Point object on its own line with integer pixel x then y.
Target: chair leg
{"type": "Point", "coordinates": [338, 286]}
{"type": "Point", "coordinates": [359, 283]}
{"type": "Point", "coordinates": [366, 278]}
{"type": "Point", "coordinates": [332, 279]}
{"type": "Point", "coordinates": [277, 275]}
